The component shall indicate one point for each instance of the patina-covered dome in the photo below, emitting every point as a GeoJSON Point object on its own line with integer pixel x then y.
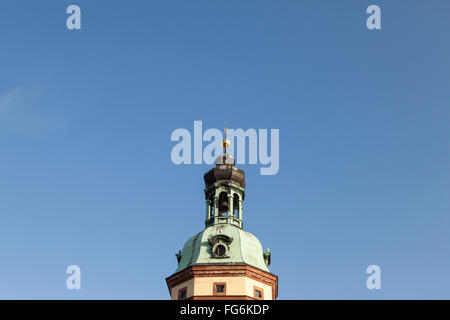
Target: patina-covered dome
{"type": "Point", "coordinates": [241, 247]}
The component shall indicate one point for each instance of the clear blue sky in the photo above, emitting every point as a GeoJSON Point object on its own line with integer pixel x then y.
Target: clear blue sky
{"type": "Point", "coordinates": [86, 118]}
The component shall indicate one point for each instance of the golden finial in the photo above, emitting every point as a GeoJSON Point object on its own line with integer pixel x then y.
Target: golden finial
{"type": "Point", "coordinates": [225, 141]}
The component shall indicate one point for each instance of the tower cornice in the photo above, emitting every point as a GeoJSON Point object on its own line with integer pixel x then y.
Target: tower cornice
{"type": "Point", "coordinates": [215, 270]}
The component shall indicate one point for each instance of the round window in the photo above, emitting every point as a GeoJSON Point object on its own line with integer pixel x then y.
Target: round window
{"type": "Point", "coordinates": [220, 250]}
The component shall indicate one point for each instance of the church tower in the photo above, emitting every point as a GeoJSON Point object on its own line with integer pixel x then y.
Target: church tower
{"type": "Point", "coordinates": [223, 261]}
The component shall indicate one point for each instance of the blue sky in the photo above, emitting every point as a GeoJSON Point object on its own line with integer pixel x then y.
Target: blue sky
{"type": "Point", "coordinates": [86, 118]}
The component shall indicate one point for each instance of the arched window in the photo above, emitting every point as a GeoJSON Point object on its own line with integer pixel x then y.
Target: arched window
{"type": "Point", "coordinates": [212, 208]}
{"type": "Point", "coordinates": [236, 205]}
{"type": "Point", "coordinates": [220, 250]}
{"type": "Point", "coordinates": [224, 206]}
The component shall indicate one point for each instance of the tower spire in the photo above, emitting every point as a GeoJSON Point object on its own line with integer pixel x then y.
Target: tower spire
{"type": "Point", "coordinates": [209, 255]}
{"type": "Point", "coordinates": [225, 190]}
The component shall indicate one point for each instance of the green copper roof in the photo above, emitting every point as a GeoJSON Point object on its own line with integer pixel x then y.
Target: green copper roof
{"type": "Point", "coordinates": [243, 248]}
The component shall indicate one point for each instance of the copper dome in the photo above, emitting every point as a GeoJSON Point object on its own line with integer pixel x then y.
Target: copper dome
{"type": "Point", "coordinates": [225, 171]}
